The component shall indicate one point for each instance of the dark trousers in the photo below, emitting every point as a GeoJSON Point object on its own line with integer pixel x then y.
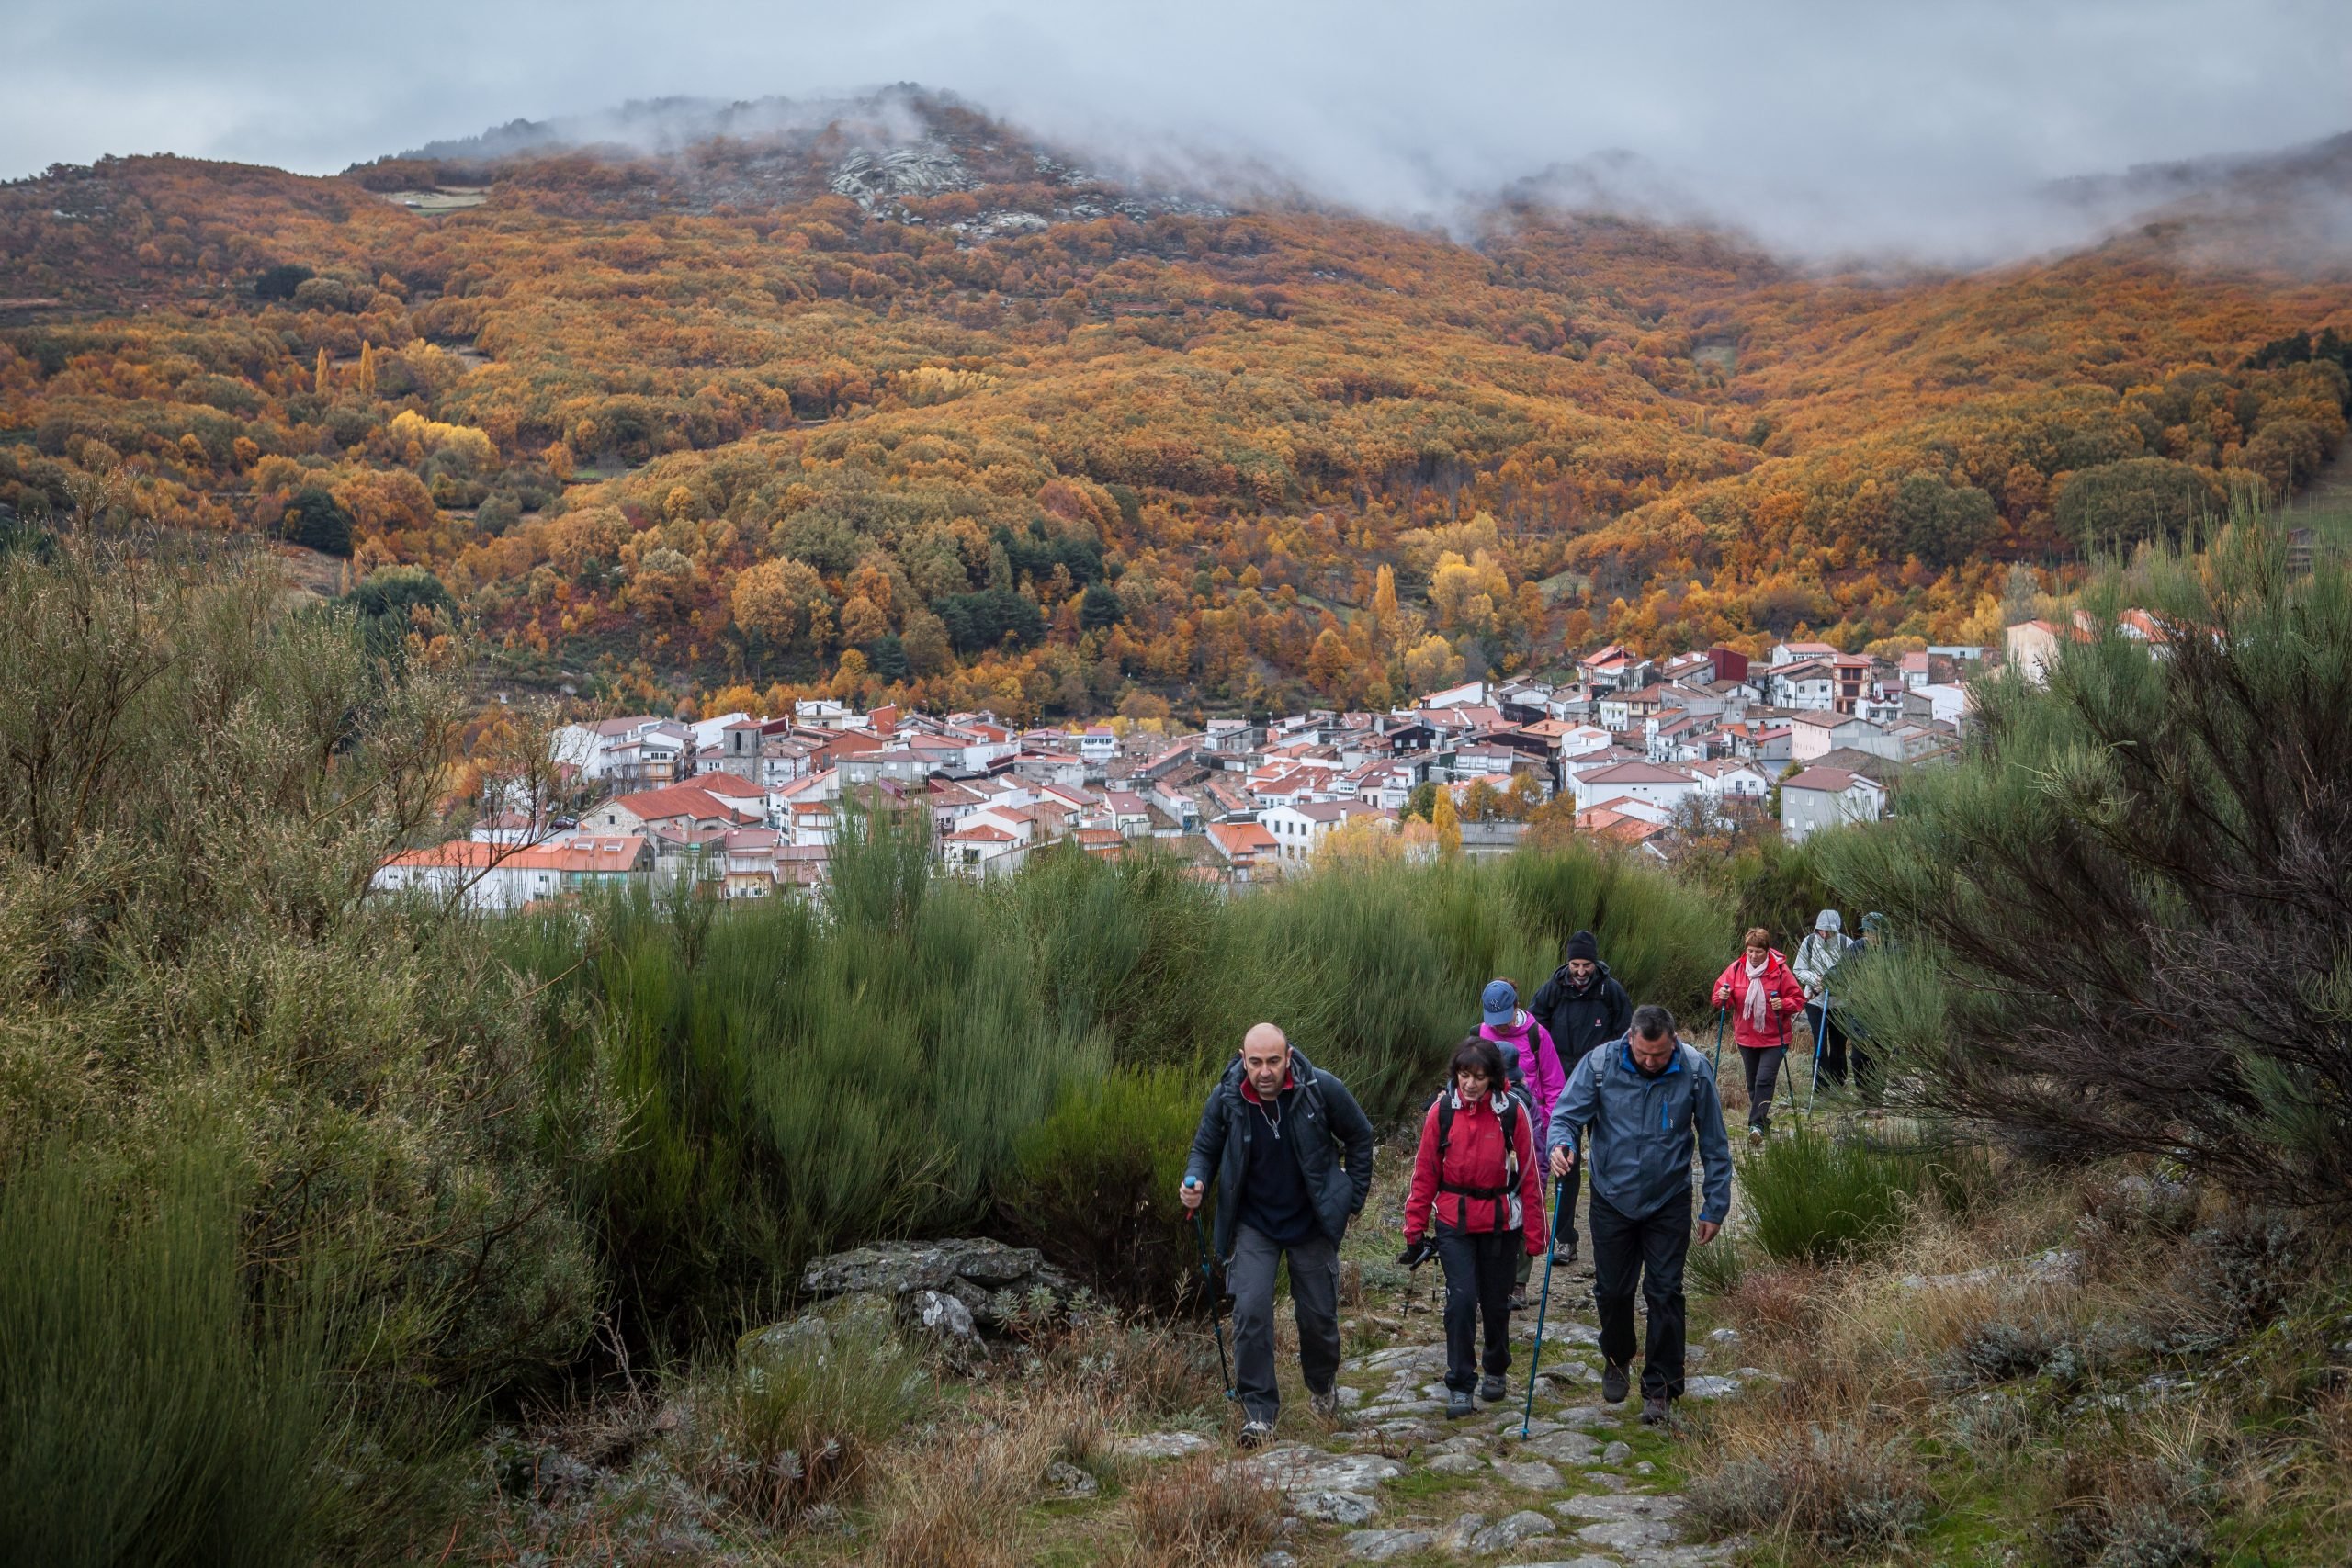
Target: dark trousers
{"type": "Point", "coordinates": [1478, 1285]}
{"type": "Point", "coordinates": [1829, 1038]}
{"type": "Point", "coordinates": [1649, 1251]}
{"type": "Point", "coordinates": [1315, 1303]}
{"type": "Point", "coordinates": [1762, 1066]}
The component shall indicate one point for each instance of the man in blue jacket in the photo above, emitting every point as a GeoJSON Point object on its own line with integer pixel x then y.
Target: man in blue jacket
{"type": "Point", "coordinates": [1291, 1152]}
{"type": "Point", "coordinates": [1650, 1103]}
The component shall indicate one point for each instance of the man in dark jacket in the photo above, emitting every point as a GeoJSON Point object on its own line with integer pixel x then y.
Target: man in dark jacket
{"type": "Point", "coordinates": [1650, 1103]}
{"type": "Point", "coordinates": [1583, 1000]}
{"type": "Point", "coordinates": [1291, 1152]}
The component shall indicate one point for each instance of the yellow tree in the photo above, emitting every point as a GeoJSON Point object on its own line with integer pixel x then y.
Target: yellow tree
{"type": "Point", "coordinates": [367, 377]}
{"type": "Point", "coordinates": [1384, 602]}
{"type": "Point", "coordinates": [319, 374]}
{"type": "Point", "coordinates": [1447, 826]}
{"type": "Point", "coordinates": [1358, 840]}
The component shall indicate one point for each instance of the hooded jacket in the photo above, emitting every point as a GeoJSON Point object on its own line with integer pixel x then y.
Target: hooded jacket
{"type": "Point", "coordinates": [1333, 1146]}
{"type": "Point", "coordinates": [1475, 1157]}
{"type": "Point", "coordinates": [1646, 1129]}
{"type": "Point", "coordinates": [1580, 1020]}
{"type": "Point", "coordinates": [1731, 992]}
{"type": "Point", "coordinates": [1537, 1070]}
{"type": "Point", "coordinates": [1816, 957]}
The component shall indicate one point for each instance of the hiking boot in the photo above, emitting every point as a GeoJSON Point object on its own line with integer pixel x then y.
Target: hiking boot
{"type": "Point", "coordinates": [1614, 1383]}
{"type": "Point", "coordinates": [1755, 1137]}
{"type": "Point", "coordinates": [1457, 1403]}
{"type": "Point", "coordinates": [1518, 1302]}
{"type": "Point", "coordinates": [1563, 1252]}
{"type": "Point", "coordinates": [1326, 1404]}
{"type": "Point", "coordinates": [1655, 1413]}
{"type": "Point", "coordinates": [1491, 1389]}
{"type": "Point", "coordinates": [1256, 1434]}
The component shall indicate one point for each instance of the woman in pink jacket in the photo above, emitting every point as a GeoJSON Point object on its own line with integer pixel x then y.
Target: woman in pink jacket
{"type": "Point", "coordinates": [1533, 1066]}
{"type": "Point", "coordinates": [1763, 997]}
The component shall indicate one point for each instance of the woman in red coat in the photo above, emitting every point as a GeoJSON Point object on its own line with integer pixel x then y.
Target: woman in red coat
{"type": "Point", "coordinates": [1475, 1186]}
{"type": "Point", "coordinates": [1763, 997]}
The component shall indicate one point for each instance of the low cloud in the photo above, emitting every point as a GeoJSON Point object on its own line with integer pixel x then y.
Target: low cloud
{"type": "Point", "coordinates": [1821, 126]}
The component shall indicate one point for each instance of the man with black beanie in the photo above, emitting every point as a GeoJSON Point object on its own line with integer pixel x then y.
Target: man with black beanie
{"type": "Point", "coordinates": [1582, 1005]}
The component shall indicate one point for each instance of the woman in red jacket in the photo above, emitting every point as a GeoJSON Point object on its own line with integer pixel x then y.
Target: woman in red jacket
{"type": "Point", "coordinates": [1763, 997]}
{"type": "Point", "coordinates": [1475, 1186]}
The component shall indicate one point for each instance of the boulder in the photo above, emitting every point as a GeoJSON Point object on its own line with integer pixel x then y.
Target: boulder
{"type": "Point", "coordinates": [1506, 1534]}
{"type": "Point", "coordinates": [1379, 1546]}
{"type": "Point", "coordinates": [988, 1278]}
{"type": "Point", "coordinates": [939, 1319]}
{"type": "Point", "coordinates": [1348, 1508]}
{"type": "Point", "coordinates": [1564, 1447]}
{"type": "Point", "coordinates": [1456, 1536]}
{"type": "Point", "coordinates": [1533, 1473]}
{"type": "Point", "coordinates": [1294, 1468]}
{"type": "Point", "coordinates": [1159, 1444]}
{"type": "Point", "coordinates": [1066, 1481]}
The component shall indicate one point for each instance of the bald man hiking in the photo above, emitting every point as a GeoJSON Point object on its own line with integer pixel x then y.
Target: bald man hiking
{"type": "Point", "coordinates": [1291, 1152]}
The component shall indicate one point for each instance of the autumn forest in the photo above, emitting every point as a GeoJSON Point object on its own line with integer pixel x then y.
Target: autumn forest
{"type": "Point", "coordinates": [937, 415]}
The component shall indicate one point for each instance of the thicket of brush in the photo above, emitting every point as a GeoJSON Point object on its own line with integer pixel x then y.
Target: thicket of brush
{"type": "Point", "coordinates": [2145, 950]}
{"type": "Point", "coordinates": [309, 1176]}
{"type": "Point", "coordinates": [913, 1055]}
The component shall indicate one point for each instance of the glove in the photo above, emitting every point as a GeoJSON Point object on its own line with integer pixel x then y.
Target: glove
{"type": "Point", "coordinates": [1419, 1252]}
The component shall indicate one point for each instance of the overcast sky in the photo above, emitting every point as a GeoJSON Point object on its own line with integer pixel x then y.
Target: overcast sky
{"type": "Point", "coordinates": [1857, 118]}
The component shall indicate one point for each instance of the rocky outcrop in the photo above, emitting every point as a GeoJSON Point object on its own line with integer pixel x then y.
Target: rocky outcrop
{"type": "Point", "coordinates": [989, 1279]}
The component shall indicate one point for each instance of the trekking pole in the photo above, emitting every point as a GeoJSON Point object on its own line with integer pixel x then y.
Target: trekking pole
{"type": "Point", "coordinates": [1544, 1303]}
{"type": "Point", "coordinates": [1819, 1035]}
{"type": "Point", "coordinates": [1201, 1246]}
{"type": "Point", "coordinates": [1719, 1015]}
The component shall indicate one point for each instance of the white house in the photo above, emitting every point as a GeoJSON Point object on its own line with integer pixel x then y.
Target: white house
{"type": "Point", "coordinates": [1824, 797]}
{"type": "Point", "coordinates": [1647, 782]}
{"type": "Point", "coordinates": [493, 876]}
{"type": "Point", "coordinates": [1730, 780]}
{"type": "Point", "coordinates": [1803, 685]}
{"type": "Point", "coordinates": [982, 850]}
{"type": "Point", "coordinates": [1298, 830]}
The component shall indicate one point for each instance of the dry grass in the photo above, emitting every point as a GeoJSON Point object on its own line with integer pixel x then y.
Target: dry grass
{"type": "Point", "coordinates": [1201, 1513]}
{"type": "Point", "coordinates": [955, 1502]}
{"type": "Point", "coordinates": [1129, 1366]}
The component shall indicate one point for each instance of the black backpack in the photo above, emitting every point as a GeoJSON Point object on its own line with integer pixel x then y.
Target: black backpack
{"type": "Point", "coordinates": [1508, 1116]}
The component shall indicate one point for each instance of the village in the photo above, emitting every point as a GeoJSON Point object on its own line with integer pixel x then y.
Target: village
{"type": "Point", "coordinates": [1634, 751]}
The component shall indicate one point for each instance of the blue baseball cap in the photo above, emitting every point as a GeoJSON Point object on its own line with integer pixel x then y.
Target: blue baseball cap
{"type": "Point", "coordinates": [1501, 1000]}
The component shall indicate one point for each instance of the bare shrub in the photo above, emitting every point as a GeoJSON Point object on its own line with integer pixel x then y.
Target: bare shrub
{"type": "Point", "coordinates": [1781, 1298]}
{"type": "Point", "coordinates": [1841, 1487]}
{"type": "Point", "coordinates": [795, 1427]}
{"type": "Point", "coordinates": [1201, 1513]}
{"type": "Point", "coordinates": [2126, 1510]}
{"type": "Point", "coordinates": [954, 1503]}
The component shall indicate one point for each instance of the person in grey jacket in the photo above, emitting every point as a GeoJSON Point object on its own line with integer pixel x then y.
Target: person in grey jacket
{"type": "Point", "coordinates": [1291, 1152]}
{"type": "Point", "coordinates": [1650, 1103]}
{"type": "Point", "coordinates": [1817, 958]}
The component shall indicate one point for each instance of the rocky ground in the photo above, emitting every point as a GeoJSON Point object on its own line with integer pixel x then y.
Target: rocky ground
{"type": "Point", "coordinates": [1088, 1453]}
{"type": "Point", "coordinates": [1392, 1480]}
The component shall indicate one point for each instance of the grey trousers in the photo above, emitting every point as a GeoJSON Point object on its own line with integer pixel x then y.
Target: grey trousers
{"type": "Point", "coordinates": [1315, 1302]}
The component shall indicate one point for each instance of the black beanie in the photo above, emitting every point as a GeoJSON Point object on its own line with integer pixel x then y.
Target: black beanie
{"type": "Point", "coordinates": [1581, 945]}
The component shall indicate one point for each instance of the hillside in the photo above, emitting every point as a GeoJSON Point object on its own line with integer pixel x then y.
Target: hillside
{"type": "Point", "coordinates": [882, 394]}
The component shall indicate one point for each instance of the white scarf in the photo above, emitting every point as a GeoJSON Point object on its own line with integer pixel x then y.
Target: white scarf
{"type": "Point", "coordinates": [1756, 1008]}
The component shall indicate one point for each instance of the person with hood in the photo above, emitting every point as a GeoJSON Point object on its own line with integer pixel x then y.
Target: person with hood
{"type": "Point", "coordinates": [1763, 998]}
{"type": "Point", "coordinates": [1583, 1006]}
{"type": "Point", "coordinates": [1533, 1068]}
{"type": "Point", "coordinates": [1291, 1152]}
{"type": "Point", "coordinates": [1874, 942]}
{"type": "Point", "coordinates": [1476, 1201]}
{"type": "Point", "coordinates": [1821, 951]}
{"type": "Point", "coordinates": [1650, 1103]}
